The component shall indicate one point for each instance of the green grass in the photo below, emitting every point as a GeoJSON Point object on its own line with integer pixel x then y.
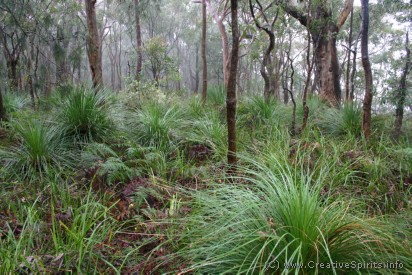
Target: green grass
{"type": "Point", "coordinates": [113, 184]}
{"type": "Point", "coordinates": [279, 217]}
{"type": "Point", "coordinates": [84, 116]}
{"type": "Point", "coordinates": [155, 125]}
{"type": "Point", "coordinates": [344, 121]}
{"type": "Point", "coordinates": [39, 151]}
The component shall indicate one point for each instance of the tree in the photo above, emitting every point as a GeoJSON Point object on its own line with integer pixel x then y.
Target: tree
{"type": "Point", "coordinates": [204, 60]}
{"type": "Point", "coordinates": [138, 40]}
{"type": "Point", "coordinates": [2, 109]}
{"type": "Point", "coordinates": [323, 29]}
{"type": "Point", "coordinates": [12, 38]}
{"type": "Point", "coordinates": [94, 49]}
{"type": "Point", "coordinates": [367, 100]}
{"type": "Point", "coordinates": [267, 68]}
{"type": "Point", "coordinates": [402, 91]}
{"type": "Point", "coordinates": [159, 63]}
{"type": "Point", "coordinates": [219, 14]}
{"type": "Point", "coordinates": [231, 89]}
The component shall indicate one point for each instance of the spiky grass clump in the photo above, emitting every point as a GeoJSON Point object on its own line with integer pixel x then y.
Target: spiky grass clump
{"type": "Point", "coordinates": [211, 131]}
{"type": "Point", "coordinates": [13, 103]}
{"type": "Point", "coordinates": [280, 223]}
{"type": "Point", "coordinates": [155, 125]}
{"type": "Point", "coordinates": [344, 121]}
{"type": "Point", "coordinates": [216, 95]}
{"type": "Point", "coordinates": [84, 116]}
{"type": "Point", "coordinates": [40, 150]}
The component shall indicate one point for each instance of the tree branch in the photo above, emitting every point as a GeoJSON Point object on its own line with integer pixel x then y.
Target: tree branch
{"type": "Point", "coordinates": [344, 13]}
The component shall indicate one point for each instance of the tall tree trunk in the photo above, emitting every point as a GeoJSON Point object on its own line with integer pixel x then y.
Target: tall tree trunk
{"type": "Point", "coordinates": [197, 71]}
{"type": "Point", "coordinates": [12, 58]}
{"type": "Point", "coordinates": [138, 40]}
{"type": "Point", "coordinates": [12, 73]}
{"type": "Point", "coordinates": [347, 86]}
{"type": "Point", "coordinates": [204, 75]}
{"type": "Point", "coordinates": [220, 19]}
{"type": "Point", "coordinates": [367, 100]}
{"type": "Point", "coordinates": [326, 64]}
{"type": "Point", "coordinates": [352, 76]}
{"type": "Point", "coordinates": [324, 43]}
{"type": "Point", "coordinates": [60, 56]}
{"type": "Point", "coordinates": [266, 68]}
{"type": "Point", "coordinates": [231, 89]}
{"type": "Point", "coordinates": [401, 93]}
{"type": "Point", "coordinates": [2, 108]}
{"type": "Point", "coordinates": [93, 42]}
{"type": "Point", "coordinates": [309, 66]}
{"type": "Point", "coordinates": [226, 52]}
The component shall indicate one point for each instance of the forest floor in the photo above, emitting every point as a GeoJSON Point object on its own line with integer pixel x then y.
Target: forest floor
{"type": "Point", "coordinates": [134, 184]}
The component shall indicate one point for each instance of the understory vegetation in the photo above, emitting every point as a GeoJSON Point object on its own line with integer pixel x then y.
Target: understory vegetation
{"type": "Point", "coordinates": [104, 183]}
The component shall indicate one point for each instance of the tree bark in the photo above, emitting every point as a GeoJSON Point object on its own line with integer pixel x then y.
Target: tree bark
{"type": "Point", "coordinates": [326, 64]}
{"type": "Point", "coordinates": [12, 72]}
{"type": "Point", "coordinates": [2, 108]}
{"type": "Point", "coordinates": [324, 44]}
{"type": "Point", "coordinates": [367, 100]}
{"type": "Point", "coordinates": [94, 47]}
{"type": "Point", "coordinates": [12, 57]}
{"type": "Point", "coordinates": [197, 71]}
{"type": "Point", "coordinates": [219, 19]}
{"type": "Point", "coordinates": [138, 40]}
{"type": "Point", "coordinates": [401, 93]}
{"type": "Point", "coordinates": [204, 60]}
{"type": "Point", "coordinates": [231, 89]}
{"type": "Point", "coordinates": [267, 68]}
{"type": "Point", "coordinates": [347, 86]}
{"type": "Point", "coordinates": [60, 56]}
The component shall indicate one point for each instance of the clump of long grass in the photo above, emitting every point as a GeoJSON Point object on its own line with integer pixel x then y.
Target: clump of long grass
{"type": "Point", "coordinates": [155, 125]}
{"type": "Point", "coordinates": [211, 131]}
{"type": "Point", "coordinates": [216, 95]}
{"type": "Point", "coordinates": [344, 121]}
{"type": "Point", "coordinates": [84, 116]}
{"type": "Point", "coordinates": [40, 150]}
{"type": "Point", "coordinates": [13, 103]}
{"type": "Point", "coordinates": [280, 222]}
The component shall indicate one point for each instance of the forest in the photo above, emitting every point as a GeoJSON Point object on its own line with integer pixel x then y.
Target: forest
{"type": "Point", "coordinates": [205, 137]}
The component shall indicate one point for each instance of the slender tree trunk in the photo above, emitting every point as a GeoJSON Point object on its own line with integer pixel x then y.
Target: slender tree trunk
{"type": "Point", "coordinates": [197, 71]}
{"type": "Point", "coordinates": [225, 41]}
{"type": "Point", "coordinates": [290, 88]}
{"type": "Point", "coordinates": [347, 87]}
{"type": "Point", "coordinates": [2, 108]}
{"type": "Point", "coordinates": [204, 75]}
{"type": "Point", "coordinates": [402, 91]}
{"type": "Point", "coordinates": [352, 76]}
{"type": "Point", "coordinates": [226, 52]}
{"type": "Point", "coordinates": [231, 90]}
{"type": "Point", "coordinates": [94, 47]}
{"type": "Point", "coordinates": [266, 68]}
{"type": "Point", "coordinates": [60, 56]}
{"type": "Point", "coordinates": [309, 66]}
{"type": "Point", "coordinates": [12, 73]}
{"type": "Point", "coordinates": [138, 40]}
{"type": "Point", "coordinates": [367, 100]}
